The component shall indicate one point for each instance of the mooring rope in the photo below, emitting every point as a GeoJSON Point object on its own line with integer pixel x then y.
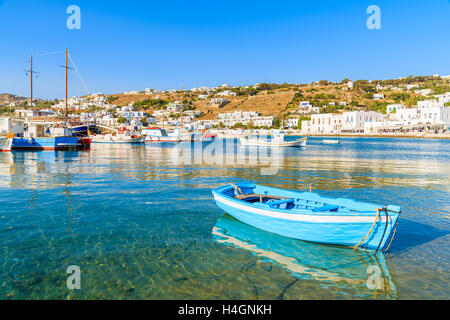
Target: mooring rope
{"type": "Point", "coordinates": [373, 224]}
{"type": "Point", "coordinates": [238, 190]}
{"type": "Point", "coordinates": [385, 228]}
{"type": "Point", "coordinates": [392, 238]}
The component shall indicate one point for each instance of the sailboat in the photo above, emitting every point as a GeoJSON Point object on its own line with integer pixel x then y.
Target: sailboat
{"type": "Point", "coordinates": [45, 135]}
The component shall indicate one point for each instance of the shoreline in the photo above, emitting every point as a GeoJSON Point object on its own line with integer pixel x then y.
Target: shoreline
{"type": "Point", "coordinates": [362, 135]}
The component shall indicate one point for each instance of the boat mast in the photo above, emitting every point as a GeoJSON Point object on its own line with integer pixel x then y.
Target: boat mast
{"type": "Point", "coordinates": [66, 85]}
{"type": "Point", "coordinates": [31, 82]}
{"type": "Point", "coordinates": [182, 107]}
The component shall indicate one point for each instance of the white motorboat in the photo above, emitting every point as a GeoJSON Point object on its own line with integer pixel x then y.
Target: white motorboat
{"type": "Point", "coordinates": [276, 140]}
{"type": "Point", "coordinates": [123, 136]}
{"type": "Point", "coordinates": [328, 141]}
{"type": "Point", "coordinates": [161, 135]}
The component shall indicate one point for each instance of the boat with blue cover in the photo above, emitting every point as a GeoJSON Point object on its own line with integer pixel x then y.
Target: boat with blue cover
{"type": "Point", "coordinates": [309, 216]}
{"type": "Point", "coordinates": [45, 136]}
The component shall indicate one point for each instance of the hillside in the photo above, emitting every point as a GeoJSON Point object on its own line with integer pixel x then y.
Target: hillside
{"type": "Point", "coordinates": [275, 99]}
{"type": "Point", "coordinates": [7, 97]}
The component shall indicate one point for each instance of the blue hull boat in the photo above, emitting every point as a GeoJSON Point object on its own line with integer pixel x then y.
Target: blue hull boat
{"type": "Point", "coordinates": [308, 216]}
{"type": "Point", "coordinates": [50, 143]}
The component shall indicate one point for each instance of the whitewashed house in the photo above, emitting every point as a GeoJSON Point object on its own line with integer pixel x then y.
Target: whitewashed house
{"type": "Point", "coordinates": [378, 96]}
{"type": "Point", "coordinates": [353, 121]}
{"type": "Point", "coordinates": [324, 123]}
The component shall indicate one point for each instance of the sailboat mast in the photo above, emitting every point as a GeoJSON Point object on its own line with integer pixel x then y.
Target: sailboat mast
{"type": "Point", "coordinates": [66, 84]}
{"type": "Point", "coordinates": [182, 107]}
{"type": "Point", "coordinates": [31, 82]}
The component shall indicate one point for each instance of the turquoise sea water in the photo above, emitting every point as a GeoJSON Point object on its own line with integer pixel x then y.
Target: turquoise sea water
{"type": "Point", "coordinates": [142, 225]}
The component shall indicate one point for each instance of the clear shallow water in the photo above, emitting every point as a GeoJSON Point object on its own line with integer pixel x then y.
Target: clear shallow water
{"type": "Point", "coordinates": [140, 225]}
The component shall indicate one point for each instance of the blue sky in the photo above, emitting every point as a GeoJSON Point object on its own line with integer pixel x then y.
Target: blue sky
{"type": "Point", "coordinates": [132, 45]}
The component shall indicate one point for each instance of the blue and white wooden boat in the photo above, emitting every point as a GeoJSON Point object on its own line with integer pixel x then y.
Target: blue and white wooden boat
{"type": "Point", "coordinates": [310, 217]}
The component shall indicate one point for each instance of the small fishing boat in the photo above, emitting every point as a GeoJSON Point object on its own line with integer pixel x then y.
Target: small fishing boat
{"type": "Point", "coordinates": [119, 137]}
{"type": "Point", "coordinates": [309, 216]}
{"type": "Point", "coordinates": [276, 140]}
{"type": "Point", "coordinates": [210, 135]}
{"type": "Point", "coordinates": [328, 141]}
{"type": "Point", "coordinates": [41, 136]}
{"type": "Point", "coordinates": [84, 130]}
{"type": "Point", "coordinates": [6, 142]}
{"type": "Point", "coordinates": [161, 135]}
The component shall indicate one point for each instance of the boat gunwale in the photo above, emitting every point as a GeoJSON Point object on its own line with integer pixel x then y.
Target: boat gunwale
{"type": "Point", "coordinates": [218, 193]}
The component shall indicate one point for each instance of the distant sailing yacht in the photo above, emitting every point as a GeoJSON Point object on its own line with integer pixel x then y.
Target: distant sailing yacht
{"type": "Point", "coordinates": [42, 134]}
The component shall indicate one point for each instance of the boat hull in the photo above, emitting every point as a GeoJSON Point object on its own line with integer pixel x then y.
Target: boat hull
{"type": "Point", "coordinates": [50, 143]}
{"type": "Point", "coordinates": [269, 143]}
{"type": "Point", "coordinates": [322, 228]}
{"type": "Point", "coordinates": [114, 139]}
{"type": "Point", "coordinates": [84, 142]}
{"type": "Point", "coordinates": [330, 141]}
{"type": "Point", "coordinates": [186, 137]}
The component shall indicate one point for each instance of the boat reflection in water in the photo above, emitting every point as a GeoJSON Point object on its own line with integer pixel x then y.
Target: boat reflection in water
{"type": "Point", "coordinates": [359, 270]}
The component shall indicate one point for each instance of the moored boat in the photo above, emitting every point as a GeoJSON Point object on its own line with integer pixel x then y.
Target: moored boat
{"type": "Point", "coordinates": [276, 140]}
{"type": "Point", "coordinates": [161, 135]}
{"type": "Point", "coordinates": [309, 216]}
{"type": "Point", "coordinates": [328, 141]}
{"type": "Point", "coordinates": [84, 130]}
{"type": "Point", "coordinates": [39, 136]}
{"type": "Point", "coordinates": [119, 137]}
{"type": "Point", "coordinates": [84, 142]}
{"type": "Point", "coordinates": [210, 135]}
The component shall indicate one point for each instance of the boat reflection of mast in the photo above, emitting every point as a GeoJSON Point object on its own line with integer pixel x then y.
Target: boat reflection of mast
{"type": "Point", "coordinates": [67, 194]}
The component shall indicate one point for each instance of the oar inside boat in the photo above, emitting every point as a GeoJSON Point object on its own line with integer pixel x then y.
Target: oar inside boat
{"type": "Point", "coordinates": [309, 216]}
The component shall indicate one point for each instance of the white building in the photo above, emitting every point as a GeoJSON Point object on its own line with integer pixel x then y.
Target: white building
{"type": "Point", "coordinates": [407, 114]}
{"type": "Point", "coordinates": [436, 116]}
{"type": "Point", "coordinates": [306, 107]}
{"type": "Point", "coordinates": [324, 123]}
{"type": "Point", "coordinates": [245, 117]}
{"type": "Point", "coordinates": [227, 93]}
{"type": "Point", "coordinates": [130, 93]}
{"type": "Point", "coordinates": [423, 92]}
{"type": "Point", "coordinates": [353, 121]}
{"type": "Point", "coordinates": [378, 96]}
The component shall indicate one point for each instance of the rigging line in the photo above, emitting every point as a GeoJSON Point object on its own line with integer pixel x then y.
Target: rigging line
{"type": "Point", "coordinates": [79, 75]}
{"type": "Point", "coordinates": [48, 53]}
